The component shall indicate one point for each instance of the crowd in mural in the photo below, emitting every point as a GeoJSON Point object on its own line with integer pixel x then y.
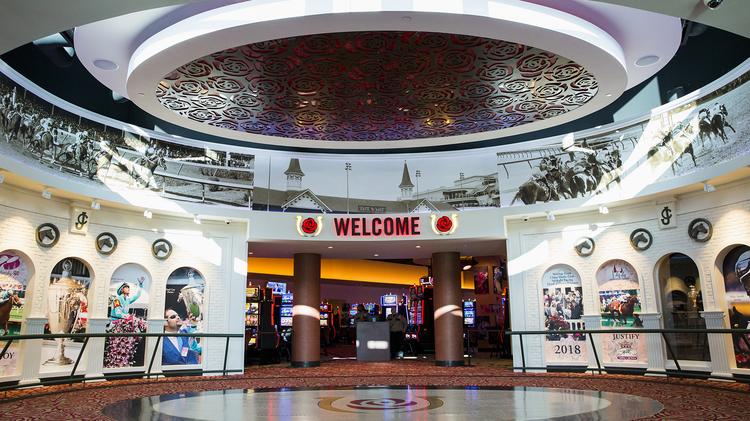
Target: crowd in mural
{"type": "Point", "coordinates": [699, 134]}
{"type": "Point", "coordinates": [83, 148]}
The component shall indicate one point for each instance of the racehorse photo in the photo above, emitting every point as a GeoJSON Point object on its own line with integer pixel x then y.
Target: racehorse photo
{"type": "Point", "coordinates": [619, 311]}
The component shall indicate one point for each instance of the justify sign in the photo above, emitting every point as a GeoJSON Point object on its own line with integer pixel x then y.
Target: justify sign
{"type": "Point", "coordinates": [377, 227]}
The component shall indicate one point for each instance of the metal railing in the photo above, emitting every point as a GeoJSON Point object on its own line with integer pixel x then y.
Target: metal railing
{"type": "Point", "coordinates": [72, 378]}
{"type": "Point", "coordinates": [614, 368]}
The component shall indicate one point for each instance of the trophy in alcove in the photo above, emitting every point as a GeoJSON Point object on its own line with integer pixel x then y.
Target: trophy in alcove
{"type": "Point", "coordinates": [64, 301]}
{"type": "Point", "coordinates": [192, 296]}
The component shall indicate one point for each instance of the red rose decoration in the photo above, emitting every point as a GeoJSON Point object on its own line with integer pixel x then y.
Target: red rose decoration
{"type": "Point", "coordinates": [309, 226]}
{"type": "Point", "coordinates": [444, 224]}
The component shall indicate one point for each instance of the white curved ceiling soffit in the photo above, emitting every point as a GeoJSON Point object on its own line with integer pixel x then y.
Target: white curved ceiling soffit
{"type": "Point", "coordinates": [610, 58]}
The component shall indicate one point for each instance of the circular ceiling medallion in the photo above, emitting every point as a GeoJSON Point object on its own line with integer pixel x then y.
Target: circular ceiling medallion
{"type": "Point", "coordinates": [376, 86]}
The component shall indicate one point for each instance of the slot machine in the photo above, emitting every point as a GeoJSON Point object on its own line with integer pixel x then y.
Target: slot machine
{"type": "Point", "coordinates": [469, 312]}
{"type": "Point", "coordinates": [252, 311]}
{"type": "Point", "coordinates": [352, 313]}
{"type": "Point", "coordinates": [389, 304]}
{"type": "Point", "coordinates": [285, 313]}
{"type": "Point", "coordinates": [325, 315]}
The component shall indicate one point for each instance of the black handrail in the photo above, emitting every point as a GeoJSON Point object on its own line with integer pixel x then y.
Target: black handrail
{"type": "Point", "coordinates": [662, 333]}
{"type": "Point", "coordinates": [86, 336]}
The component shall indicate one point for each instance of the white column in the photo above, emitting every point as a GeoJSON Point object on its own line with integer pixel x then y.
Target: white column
{"type": "Point", "coordinates": [719, 345]}
{"type": "Point", "coordinates": [154, 326]}
{"type": "Point", "coordinates": [594, 322]}
{"type": "Point", "coordinates": [654, 344]}
{"type": "Point", "coordinates": [31, 350]}
{"type": "Point", "coordinates": [94, 355]}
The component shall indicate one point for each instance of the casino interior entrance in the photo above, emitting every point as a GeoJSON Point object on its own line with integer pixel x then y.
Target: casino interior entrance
{"type": "Point", "coordinates": [362, 301]}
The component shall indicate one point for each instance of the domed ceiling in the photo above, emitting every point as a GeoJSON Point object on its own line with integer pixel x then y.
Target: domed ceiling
{"type": "Point", "coordinates": [370, 86]}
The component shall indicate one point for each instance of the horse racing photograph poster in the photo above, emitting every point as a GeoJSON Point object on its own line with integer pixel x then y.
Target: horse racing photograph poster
{"type": "Point", "coordinates": [620, 305]}
{"type": "Point", "coordinates": [14, 279]}
{"type": "Point", "coordinates": [128, 312]}
{"type": "Point", "coordinates": [40, 133]}
{"type": "Point", "coordinates": [711, 130]}
{"type": "Point", "coordinates": [736, 270]}
{"type": "Point", "coordinates": [183, 313]}
{"type": "Point", "coordinates": [562, 296]}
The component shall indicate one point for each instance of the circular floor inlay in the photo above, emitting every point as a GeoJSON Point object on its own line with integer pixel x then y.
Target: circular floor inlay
{"type": "Point", "coordinates": [405, 403]}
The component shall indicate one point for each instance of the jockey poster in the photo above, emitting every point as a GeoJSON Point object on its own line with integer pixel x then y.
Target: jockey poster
{"type": "Point", "coordinates": [620, 305]}
{"type": "Point", "coordinates": [128, 312]}
{"type": "Point", "coordinates": [183, 313]}
{"type": "Point", "coordinates": [736, 270]}
{"type": "Point", "coordinates": [563, 307]}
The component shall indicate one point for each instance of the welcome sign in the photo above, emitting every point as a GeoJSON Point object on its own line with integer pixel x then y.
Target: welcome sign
{"type": "Point", "coordinates": [378, 226]}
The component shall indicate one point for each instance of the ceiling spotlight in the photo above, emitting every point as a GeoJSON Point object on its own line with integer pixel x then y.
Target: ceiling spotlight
{"type": "Point", "coordinates": [105, 64]}
{"type": "Point", "coordinates": [249, 253]}
{"type": "Point", "coordinates": [550, 216]}
{"type": "Point", "coordinates": [46, 194]}
{"type": "Point", "coordinates": [376, 255]}
{"type": "Point", "coordinates": [148, 214]}
{"type": "Point", "coordinates": [593, 227]}
{"type": "Point", "coordinates": [647, 60]}
{"type": "Point", "coordinates": [197, 219]}
{"type": "Point", "coordinates": [330, 247]}
{"type": "Point", "coordinates": [2, 178]}
{"type": "Point", "coordinates": [713, 4]}
{"type": "Point", "coordinates": [95, 205]}
{"type": "Point", "coordinates": [708, 188]}
{"type": "Point", "coordinates": [419, 247]}
{"type": "Point", "coordinates": [468, 262]}
{"type": "Point", "coordinates": [603, 210]}
{"type": "Point", "coordinates": [608, 95]}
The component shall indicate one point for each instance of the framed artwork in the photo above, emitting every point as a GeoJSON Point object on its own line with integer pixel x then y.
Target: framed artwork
{"type": "Point", "coordinates": [481, 280]}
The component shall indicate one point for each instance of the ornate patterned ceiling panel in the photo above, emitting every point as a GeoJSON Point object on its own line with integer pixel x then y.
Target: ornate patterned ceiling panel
{"type": "Point", "coordinates": [361, 86]}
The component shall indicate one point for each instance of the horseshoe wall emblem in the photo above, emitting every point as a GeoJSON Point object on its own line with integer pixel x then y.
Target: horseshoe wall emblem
{"type": "Point", "coordinates": [584, 246]}
{"type": "Point", "coordinates": [641, 239]}
{"type": "Point", "coordinates": [106, 243]}
{"type": "Point", "coordinates": [700, 230]}
{"type": "Point", "coordinates": [161, 249]}
{"type": "Point", "coordinates": [47, 235]}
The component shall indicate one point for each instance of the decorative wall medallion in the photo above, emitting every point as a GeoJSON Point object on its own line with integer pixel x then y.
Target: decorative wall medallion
{"type": "Point", "coordinates": [700, 230]}
{"type": "Point", "coordinates": [106, 243]}
{"type": "Point", "coordinates": [584, 246]}
{"type": "Point", "coordinates": [79, 221]}
{"type": "Point", "coordinates": [47, 235]}
{"type": "Point", "coordinates": [161, 249]}
{"type": "Point", "coordinates": [444, 225]}
{"type": "Point", "coordinates": [641, 239]}
{"type": "Point", "coordinates": [309, 227]}
{"type": "Point", "coordinates": [376, 85]}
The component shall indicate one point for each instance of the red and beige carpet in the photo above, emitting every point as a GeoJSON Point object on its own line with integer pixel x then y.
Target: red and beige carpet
{"type": "Point", "coordinates": [683, 399]}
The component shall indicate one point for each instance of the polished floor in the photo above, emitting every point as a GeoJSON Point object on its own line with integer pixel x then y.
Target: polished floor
{"type": "Point", "coordinates": [409, 390]}
{"type": "Point", "coordinates": [388, 403]}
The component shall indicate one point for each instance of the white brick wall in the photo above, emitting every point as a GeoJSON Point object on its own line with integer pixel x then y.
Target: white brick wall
{"type": "Point", "coordinates": [535, 245]}
{"type": "Point", "coordinates": [218, 251]}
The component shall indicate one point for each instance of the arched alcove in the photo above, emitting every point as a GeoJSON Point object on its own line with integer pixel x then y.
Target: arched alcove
{"type": "Point", "coordinates": [680, 300]}
{"type": "Point", "coordinates": [16, 273]}
{"type": "Point", "coordinates": [67, 311]}
{"type": "Point", "coordinates": [562, 305]}
{"type": "Point", "coordinates": [127, 310]}
{"type": "Point", "coordinates": [735, 268]}
{"type": "Point", "coordinates": [183, 312]}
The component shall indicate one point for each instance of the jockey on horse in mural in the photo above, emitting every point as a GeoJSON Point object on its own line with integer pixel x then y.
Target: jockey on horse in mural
{"type": "Point", "coordinates": [621, 308]}
{"type": "Point", "coordinates": [8, 299]}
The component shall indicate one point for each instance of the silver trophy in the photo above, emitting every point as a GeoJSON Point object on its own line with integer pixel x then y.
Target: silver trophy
{"type": "Point", "coordinates": [192, 296]}
{"type": "Point", "coordinates": [63, 303]}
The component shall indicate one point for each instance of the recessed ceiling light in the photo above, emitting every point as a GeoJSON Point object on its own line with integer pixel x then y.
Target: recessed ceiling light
{"type": "Point", "coordinates": [376, 255]}
{"type": "Point", "coordinates": [647, 60]}
{"type": "Point", "coordinates": [608, 95]}
{"type": "Point", "coordinates": [330, 247]}
{"type": "Point", "coordinates": [105, 64]}
{"type": "Point", "coordinates": [249, 252]}
{"type": "Point", "coordinates": [419, 247]}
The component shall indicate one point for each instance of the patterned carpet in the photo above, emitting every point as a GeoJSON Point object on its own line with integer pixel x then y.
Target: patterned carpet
{"type": "Point", "coordinates": [684, 399]}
